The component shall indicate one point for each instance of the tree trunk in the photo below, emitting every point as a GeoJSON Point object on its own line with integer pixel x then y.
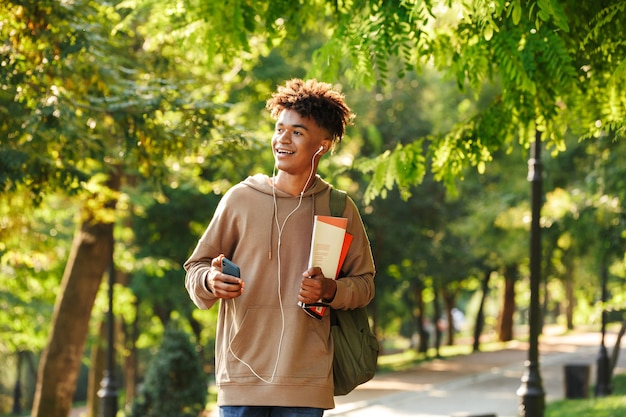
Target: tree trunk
{"type": "Point", "coordinates": [421, 318]}
{"type": "Point", "coordinates": [570, 301]}
{"type": "Point", "coordinates": [480, 315]}
{"type": "Point", "coordinates": [60, 361]}
{"type": "Point", "coordinates": [616, 348]}
{"type": "Point", "coordinates": [96, 371]}
{"type": "Point", "coordinates": [437, 320]}
{"type": "Point", "coordinates": [449, 303]}
{"type": "Point", "coordinates": [507, 312]}
{"type": "Point", "coordinates": [130, 360]}
{"type": "Point", "coordinates": [17, 390]}
{"type": "Point", "coordinates": [30, 379]}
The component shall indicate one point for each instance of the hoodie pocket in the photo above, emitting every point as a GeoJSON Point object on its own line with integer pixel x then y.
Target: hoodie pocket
{"type": "Point", "coordinates": [262, 346]}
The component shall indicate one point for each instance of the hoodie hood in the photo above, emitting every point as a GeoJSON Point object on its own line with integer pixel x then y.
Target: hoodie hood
{"type": "Point", "coordinates": [263, 184]}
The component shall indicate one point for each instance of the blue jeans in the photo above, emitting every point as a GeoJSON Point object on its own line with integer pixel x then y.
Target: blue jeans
{"type": "Point", "coordinates": [253, 411]}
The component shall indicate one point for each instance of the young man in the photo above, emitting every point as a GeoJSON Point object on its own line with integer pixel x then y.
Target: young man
{"type": "Point", "coordinates": [272, 358]}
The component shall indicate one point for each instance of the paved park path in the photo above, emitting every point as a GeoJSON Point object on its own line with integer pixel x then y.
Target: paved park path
{"type": "Point", "coordinates": [482, 383]}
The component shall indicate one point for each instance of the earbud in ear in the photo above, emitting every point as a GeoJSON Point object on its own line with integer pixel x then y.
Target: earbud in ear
{"type": "Point", "coordinates": [322, 148]}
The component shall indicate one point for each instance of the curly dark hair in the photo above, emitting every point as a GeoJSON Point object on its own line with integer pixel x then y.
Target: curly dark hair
{"type": "Point", "coordinates": [312, 98]}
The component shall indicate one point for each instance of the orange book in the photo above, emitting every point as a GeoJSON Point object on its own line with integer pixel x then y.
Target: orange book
{"type": "Point", "coordinates": [347, 241]}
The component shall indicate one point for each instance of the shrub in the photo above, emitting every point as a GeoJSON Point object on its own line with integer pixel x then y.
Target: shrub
{"type": "Point", "coordinates": [175, 385]}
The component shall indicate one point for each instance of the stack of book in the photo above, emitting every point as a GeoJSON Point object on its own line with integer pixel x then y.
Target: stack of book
{"type": "Point", "coordinates": [329, 246]}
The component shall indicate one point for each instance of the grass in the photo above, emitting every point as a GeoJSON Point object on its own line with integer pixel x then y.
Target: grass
{"type": "Point", "coordinates": [409, 358]}
{"type": "Point", "coordinates": [611, 406]}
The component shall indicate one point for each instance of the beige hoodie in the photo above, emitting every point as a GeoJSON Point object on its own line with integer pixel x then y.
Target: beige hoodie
{"type": "Point", "coordinates": [269, 352]}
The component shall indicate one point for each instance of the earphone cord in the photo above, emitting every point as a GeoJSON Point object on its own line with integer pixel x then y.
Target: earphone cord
{"type": "Point", "coordinates": [280, 298]}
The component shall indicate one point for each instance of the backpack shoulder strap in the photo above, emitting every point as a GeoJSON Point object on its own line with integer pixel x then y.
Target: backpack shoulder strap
{"type": "Point", "coordinates": [337, 201]}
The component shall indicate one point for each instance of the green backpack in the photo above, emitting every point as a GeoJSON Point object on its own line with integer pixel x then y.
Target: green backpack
{"type": "Point", "coordinates": [356, 347]}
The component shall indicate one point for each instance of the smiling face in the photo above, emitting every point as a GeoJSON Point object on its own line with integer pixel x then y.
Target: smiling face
{"type": "Point", "coordinates": [296, 140]}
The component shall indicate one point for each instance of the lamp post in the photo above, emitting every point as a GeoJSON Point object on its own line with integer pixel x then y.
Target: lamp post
{"type": "Point", "coordinates": [108, 390]}
{"type": "Point", "coordinates": [603, 377]}
{"type": "Point", "coordinates": [531, 393]}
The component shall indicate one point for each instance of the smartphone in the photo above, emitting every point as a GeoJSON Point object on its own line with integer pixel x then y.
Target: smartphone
{"type": "Point", "coordinates": [229, 268]}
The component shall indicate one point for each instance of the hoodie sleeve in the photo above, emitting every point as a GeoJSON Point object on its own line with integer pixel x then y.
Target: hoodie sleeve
{"type": "Point", "coordinates": [356, 286]}
{"type": "Point", "coordinates": [197, 268]}
{"type": "Point", "coordinates": [213, 242]}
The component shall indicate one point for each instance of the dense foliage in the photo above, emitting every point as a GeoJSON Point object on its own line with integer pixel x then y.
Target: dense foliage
{"type": "Point", "coordinates": [559, 64]}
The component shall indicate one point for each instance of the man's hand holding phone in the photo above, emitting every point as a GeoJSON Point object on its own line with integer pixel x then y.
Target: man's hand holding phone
{"type": "Point", "coordinates": [223, 279]}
